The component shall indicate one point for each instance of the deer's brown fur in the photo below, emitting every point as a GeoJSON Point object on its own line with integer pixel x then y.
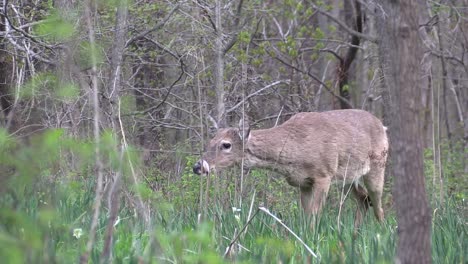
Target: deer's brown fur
{"type": "Point", "coordinates": [311, 150]}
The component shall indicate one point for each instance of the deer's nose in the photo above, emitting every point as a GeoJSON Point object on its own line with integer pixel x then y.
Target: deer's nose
{"type": "Point", "coordinates": [197, 168]}
{"type": "Point", "coordinates": [201, 167]}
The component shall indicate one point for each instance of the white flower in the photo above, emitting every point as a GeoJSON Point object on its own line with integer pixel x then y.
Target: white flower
{"type": "Point", "coordinates": [235, 209]}
{"type": "Point", "coordinates": [77, 232]}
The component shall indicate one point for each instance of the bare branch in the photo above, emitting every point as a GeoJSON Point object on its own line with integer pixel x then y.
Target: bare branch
{"type": "Point", "coordinates": [182, 72]}
{"type": "Point", "coordinates": [233, 41]}
{"type": "Point", "coordinates": [289, 230]}
{"type": "Point", "coordinates": [228, 249]}
{"type": "Point", "coordinates": [159, 45]}
{"type": "Point", "coordinates": [24, 33]}
{"type": "Point", "coordinates": [156, 27]}
{"type": "Point", "coordinates": [316, 79]}
{"type": "Point", "coordinates": [345, 27]}
{"type": "Point", "coordinates": [255, 93]}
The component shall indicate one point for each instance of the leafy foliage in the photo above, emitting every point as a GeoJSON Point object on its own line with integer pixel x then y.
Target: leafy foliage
{"type": "Point", "coordinates": [45, 214]}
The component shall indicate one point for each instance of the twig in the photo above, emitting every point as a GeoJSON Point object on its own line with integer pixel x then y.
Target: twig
{"type": "Point", "coordinates": [158, 26]}
{"type": "Point", "coordinates": [287, 228]}
{"type": "Point", "coordinates": [238, 244]}
{"type": "Point", "coordinates": [201, 209]}
{"type": "Point", "coordinates": [228, 249]}
{"type": "Point", "coordinates": [251, 206]}
{"type": "Point", "coordinates": [182, 72]}
{"type": "Point", "coordinates": [342, 99]}
{"type": "Point", "coordinates": [233, 40]}
{"type": "Point", "coordinates": [24, 33]}
{"type": "Point", "coordinates": [279, 115]}
{"type": "Point", "coordinates": [255, 93]}
{"type": "Point", "coordinates": [145, 215]}
{"type": "Point", "coordinates": [345, 27]}
{"type": "Point", "coordinates": [162, 47]}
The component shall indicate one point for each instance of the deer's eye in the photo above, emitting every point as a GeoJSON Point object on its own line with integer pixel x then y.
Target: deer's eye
{"type": "Point", "coordinates": [226, 145]}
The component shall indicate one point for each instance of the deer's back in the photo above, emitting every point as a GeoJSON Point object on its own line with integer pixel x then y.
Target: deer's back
{"type": "Point", "coordinates": [340, 143]}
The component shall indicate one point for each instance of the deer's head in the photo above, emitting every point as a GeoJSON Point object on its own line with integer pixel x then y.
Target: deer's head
{"type": "Point", "coordinates": [224, 150]}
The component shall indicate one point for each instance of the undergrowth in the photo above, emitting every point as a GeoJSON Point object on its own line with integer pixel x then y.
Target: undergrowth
{"type": "Point", "coordinates": [46, 209]}
{"type": "Point", "coordinates": [35, 231]}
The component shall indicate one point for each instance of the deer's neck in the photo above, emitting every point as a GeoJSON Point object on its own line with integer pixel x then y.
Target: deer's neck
{"type": "Point", "coordinates": [262, 150]}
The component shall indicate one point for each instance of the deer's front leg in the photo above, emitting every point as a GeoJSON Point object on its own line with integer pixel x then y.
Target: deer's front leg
{"type": "Point", "coordinates": [313, 197]}
{"type": "Point", "coordinates": [306, 200]}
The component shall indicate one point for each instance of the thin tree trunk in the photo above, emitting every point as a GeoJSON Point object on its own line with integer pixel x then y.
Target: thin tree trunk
{"type": "Point", "coordinates": [99, 166]}
{"type": "Point", "coordinates": [6, 100]}
{"type": "Point", "coordinates": [345, 64]}
{"type": "Point", "coordinates": [401, 56]}
{"type": "Point", "coordinates": [219, 70]}
{"type": "Point", "coordinates": [113, 202]}
{"type": "Point", "coordinates": [114, 93]}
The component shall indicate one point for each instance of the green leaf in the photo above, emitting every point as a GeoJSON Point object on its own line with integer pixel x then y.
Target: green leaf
{"type": "Point", "coordinates": [244, 37]}
{"type": "Point", "coordinates": [345, 88]}
{"type": "Point", "coordinates": [6, 141]}
{"type": "Point", "coordinates": [86, 53]}
{"type": "Point", "coordinates": [55, 28]}
{"type": "Point", "coordinates": [37, 83]}
{"type": "Point", "coordinates": [319, 34]}
{"type": "Point", "coordinates": [67, 91]}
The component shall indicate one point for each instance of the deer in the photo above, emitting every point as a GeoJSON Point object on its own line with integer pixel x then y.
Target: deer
{"type": "Point", "coordinates": [311, 150]}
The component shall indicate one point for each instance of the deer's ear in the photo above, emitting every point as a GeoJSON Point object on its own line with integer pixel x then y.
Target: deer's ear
{"type": "Point", "coordinates": [213, 128]}
{"type": "Point", "coordinates": [212, 131]}
{"type": "Point", "coordinates": [244, 129]}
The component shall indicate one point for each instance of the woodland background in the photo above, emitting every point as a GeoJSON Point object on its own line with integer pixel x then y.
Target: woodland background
{"type": "Point", "coordinates": [106, 105]}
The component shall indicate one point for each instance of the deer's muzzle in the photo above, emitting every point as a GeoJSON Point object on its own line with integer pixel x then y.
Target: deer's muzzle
{"type": "Point", "coordinates": [201, 167]}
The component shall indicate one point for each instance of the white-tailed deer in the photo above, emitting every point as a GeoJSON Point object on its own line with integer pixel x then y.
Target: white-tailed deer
{"type": "Point", "coordinates": [311, 150]}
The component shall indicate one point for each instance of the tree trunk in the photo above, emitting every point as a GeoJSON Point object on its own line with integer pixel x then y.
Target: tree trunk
{"type": "Point", "coordinates": [401, 56]}
{"type": "Point", "coordinates": [6, 100]}
{"type": "Point", "coordinates": [113, 98]}
{"type": "Point", "coordinates": [118, 47]}
{"type": "Point", "coordinates": [355, 18]}
{"type": "Point", "coordinates": [219, 71]}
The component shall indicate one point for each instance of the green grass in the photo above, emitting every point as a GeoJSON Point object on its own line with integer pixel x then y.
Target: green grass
{"type": "Point", "coordinates": [47, 199]}
{"type": "Point", "coordinates": [39, 230]}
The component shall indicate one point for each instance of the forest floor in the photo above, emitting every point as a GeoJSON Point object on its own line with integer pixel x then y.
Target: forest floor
{"type": "Point", "coordinates": [52, 227]}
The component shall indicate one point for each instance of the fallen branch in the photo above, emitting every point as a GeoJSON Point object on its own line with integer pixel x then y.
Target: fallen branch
{"type": "Point", "coordinates": [228, 249]}
{"type": "Point", "coordinates": [287, 228]}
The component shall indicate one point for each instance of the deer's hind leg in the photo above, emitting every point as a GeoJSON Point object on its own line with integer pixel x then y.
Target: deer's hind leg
{"type": "Point", "coordinates": [362, 199]}
{"type": "Point", "coordinates": [374, 182]}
